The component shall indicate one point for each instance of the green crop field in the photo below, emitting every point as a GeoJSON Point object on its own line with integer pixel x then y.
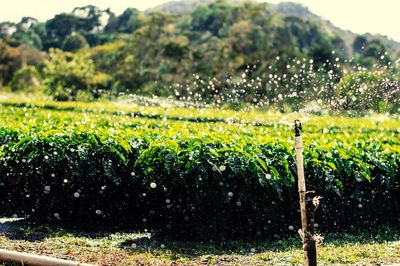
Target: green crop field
{"type": "Point", "coordinates": [193, 173]}
{"type": "Point", "coordinates": [171, 135]}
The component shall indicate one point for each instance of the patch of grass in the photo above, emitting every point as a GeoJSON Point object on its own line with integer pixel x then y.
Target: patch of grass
{"type": "Point", "coordinates": [127, 248]}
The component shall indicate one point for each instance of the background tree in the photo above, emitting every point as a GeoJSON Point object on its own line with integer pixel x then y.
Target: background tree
{"type": "Point", "coordinates": [359, 44]}
{"type": "Point", "coordinates": [10, 61]}
{"type": "Point", "coordinates": [59, 27]}
{"type": "Point", "coordinates": [27, 78]}
{"type": "Point", "coordinates": [129, 21]}
{"type": "Point", "coordinates": [67, 74]}
{"type": "Point", "coordinates": [223, 51]}
{"type": "Point", "coordinates": [212, 18]}
{"type": "Point", "coordinates": [28, 37]}
{"type": "Point", "coordinates": [369, 90]}
{"type": "Point", "coordinates": [74, 42]}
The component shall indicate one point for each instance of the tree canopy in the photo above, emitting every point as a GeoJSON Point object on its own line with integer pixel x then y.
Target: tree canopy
{"type": "Point", "coordinates": [220, 52]}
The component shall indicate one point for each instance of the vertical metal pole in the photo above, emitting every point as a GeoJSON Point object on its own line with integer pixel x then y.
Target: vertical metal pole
{"type": "Point", "coordinates": [306, 206]}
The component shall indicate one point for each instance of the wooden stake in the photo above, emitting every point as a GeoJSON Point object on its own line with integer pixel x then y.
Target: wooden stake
{"type": "Point", "coordinates": [306, 205]}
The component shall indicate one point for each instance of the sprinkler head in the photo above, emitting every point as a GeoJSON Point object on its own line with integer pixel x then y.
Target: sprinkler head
{"type": "Point", "coordinates": [297, 128]}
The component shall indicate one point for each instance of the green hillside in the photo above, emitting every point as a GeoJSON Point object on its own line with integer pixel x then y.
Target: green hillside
{"type": "Point", "coordinates": [222, 52]}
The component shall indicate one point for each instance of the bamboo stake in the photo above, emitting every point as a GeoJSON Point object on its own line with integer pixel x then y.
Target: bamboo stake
{"type": "Point", "coordinates": [306, 206]}
{"type": "Point", "coordinates": [35, 260]}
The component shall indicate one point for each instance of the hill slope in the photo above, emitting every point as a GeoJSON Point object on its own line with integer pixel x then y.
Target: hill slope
{"type": "Point", "coordinates": [286, 9]}
{"type": "Point", "coordinates": [295, 9]}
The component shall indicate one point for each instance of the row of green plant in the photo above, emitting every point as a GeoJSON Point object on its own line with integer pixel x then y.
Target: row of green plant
{"type": "Point", "coordinates": [124, 111]}
{"type": "Point", "coordinates": [193, 180]}
{"type": "Point", "coordinates": [318, 130]}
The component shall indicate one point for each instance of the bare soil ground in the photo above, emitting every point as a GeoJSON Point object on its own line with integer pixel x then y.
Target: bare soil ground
{"type": "Point", "coordinates": [381, 247]}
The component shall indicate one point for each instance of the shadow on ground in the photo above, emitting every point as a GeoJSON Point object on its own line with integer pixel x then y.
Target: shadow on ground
{"type": "Point", "coordinates": [24, 230]}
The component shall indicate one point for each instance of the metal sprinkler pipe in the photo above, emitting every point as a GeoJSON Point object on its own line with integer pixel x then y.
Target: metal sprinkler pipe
{"type": "Point", "coordinates": [35, 260]}
{"type": "Point", "coordinates": [306, 203]}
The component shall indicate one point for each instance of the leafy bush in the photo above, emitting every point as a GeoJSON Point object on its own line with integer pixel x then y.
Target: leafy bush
{"type": "Point", "coordinates": [74, 42]}
{"type": "Point", "coordinates": [196, 188]}
{"type": "Point", "coordinates": [366, 90]}
{"type": "Point", "coordinates": [67, 74]}
{"type": "Point", "coordinates": [25, 78]}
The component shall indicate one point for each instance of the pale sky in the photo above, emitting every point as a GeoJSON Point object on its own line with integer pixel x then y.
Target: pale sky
{"type": "Point", "coordinates": [359, 16]}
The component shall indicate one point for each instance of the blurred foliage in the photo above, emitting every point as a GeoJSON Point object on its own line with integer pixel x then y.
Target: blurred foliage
{"type": "Point", "coordinates": [221, 52]}
{"type": "Point", "coordinates": [129, 21]}
{"type": "Point", "coordinates": [10, 61]}
{"type": "Point", "coordinates": [25, 79]}
{"type": "Point", "coordinates": [74, 42]}
{"type": "Point", "coordinates": [368, 90]}
{"type": "Point", "coordinates": [67, 74]}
